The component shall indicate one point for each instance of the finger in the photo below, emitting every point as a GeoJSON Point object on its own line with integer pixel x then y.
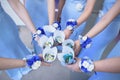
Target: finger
{"type": "Point", "coordinates": [46, 64]}
{"type": "Point", "coordinates": [40, 55]}
{"type": "Point", "coordinates": [70, 67]}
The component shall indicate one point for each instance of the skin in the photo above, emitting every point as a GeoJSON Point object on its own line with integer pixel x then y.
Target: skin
{"type": "Point", "coordinates": [22, 13]}
{"type": "Point", "coordinates": [51, 11]}
{"type": "Point", "coordinates": [83, 17]}
{"type": "Point", "coordinates": [101, 25]}
{"type": "Point", "coordinates": [9, 63]}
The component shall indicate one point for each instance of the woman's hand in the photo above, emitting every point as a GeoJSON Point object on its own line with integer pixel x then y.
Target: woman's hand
{"type": "Point", "coordinates": [67, 33]}
{"type": "Point", "coordinates": [77, 47]}
{"type": "Point", "coordinates": [75, 66]}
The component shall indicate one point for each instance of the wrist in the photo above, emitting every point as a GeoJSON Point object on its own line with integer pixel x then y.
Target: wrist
{"type": "Point", "coordinates": [57, 25]}
{"type": "Point", "coordinates": [86, 65]}
{"type": "Point", "coordinates": [38, 33]}
{"type": "Point", "coordinates": [33, 61]}
{"type": "Point", "coordinates": [71, 24]}
{"type": "Point", "coordinates": [85, 41]}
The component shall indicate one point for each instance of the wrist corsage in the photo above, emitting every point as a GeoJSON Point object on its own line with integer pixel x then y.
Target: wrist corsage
{"type": "Point", "coordinates": [57, 25]}
{"type": "Point", "coordinates": [86, 65]}
{"type": "Point", "coordinates": [39, 32]}
{"type": "Point", "coordinates": [71, 24]}
{"type": "Point", "coordinates": [33, 61]}
{"type": "Point", "coordinates": [85, 41]}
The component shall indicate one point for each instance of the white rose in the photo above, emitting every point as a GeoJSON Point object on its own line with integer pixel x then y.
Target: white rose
{"type": "Point", "coordinates": [36, 65]}
{"type": "Point", "coordinates": [85, 64]}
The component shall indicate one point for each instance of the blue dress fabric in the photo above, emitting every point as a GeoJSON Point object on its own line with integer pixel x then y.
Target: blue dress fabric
{"type": "Point", "coordinates": [100, 42]}
{"type": "Point", "coordinates": [109, 76]}
{"type": "Point", "coordinates": [72, 10]}
{"type": "Point", "coordinates": [38, 12]}
{"type": "Point", "coordinates": [10, 45]}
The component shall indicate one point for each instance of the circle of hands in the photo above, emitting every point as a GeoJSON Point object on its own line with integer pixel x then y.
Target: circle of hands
{"type": "Point", "coordinates": [70, 48]}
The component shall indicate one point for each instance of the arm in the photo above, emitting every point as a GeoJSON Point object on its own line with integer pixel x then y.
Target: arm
{"type": "Point", "coordinates": [83, 17]}
{"type": "Point", "coordinates": [7, 63]}
{"type": "Point", "coordinates": [87, 12]}
{"type": "Point", "coordinates": [106, 19]}
{"type": "Point", "coordinates": [60, 7]}
{"type": "Point", "coordinates": [51, 11]}
{"type": "Point", "coordinates": [22, 13]}
{"type": "Point", "coordinates": [106, 65]}
{"type": "Point", "coordinates": [101, 25]}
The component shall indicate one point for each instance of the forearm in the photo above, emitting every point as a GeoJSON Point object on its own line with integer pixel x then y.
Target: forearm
{"type": "Point", "coordinates": [22, 13]}
{"type": "Point", "coordinates": [87, 11]}
{"type": "Point", "coordinates": [51, 11]}
{"type": "Point", "coordinates": [60, 7]}
{"type": "Point", "coordinates": [108, 65]}
{"type": "Point", "coordinates": [105, 21]}
{"type": "Point", "coordinates": [7, 63]}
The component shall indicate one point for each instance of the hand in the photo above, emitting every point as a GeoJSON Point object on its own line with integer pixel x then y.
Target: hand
{"type": "Point", "coordinates": [67, 33]}
{"type": "Point", "coordinates": [43, 62]}
{"type": "Point", "coordinates": [77, 47]}
{"type": "Point", "coordinates": [75, 66]}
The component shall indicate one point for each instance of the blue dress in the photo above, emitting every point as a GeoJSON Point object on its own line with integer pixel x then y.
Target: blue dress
{"type": "Point", "coordinates": [38, 12]}
{"type": "Point", "coordinates": [109, 76]}
{"type": "Point", "coordinates": [100, 42]}
{"type": "Point", "coordinates": [72, 10]}
{"type": "Point", "coordinates": [10, 44]}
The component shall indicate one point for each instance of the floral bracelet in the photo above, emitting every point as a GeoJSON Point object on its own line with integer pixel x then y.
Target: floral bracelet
{"type": "Point", "coordinates": [86, 65]}
{"type": "Point", "coordinates": [33, 61]}
{"type": "Point", "coordinates": [71, 24]}
{"type": "Point", "coordinates": [39, 32]}
{"type": "Point", "coordinates": [85, 41]}
{"type": "Point", "coordinates": [57, 25]}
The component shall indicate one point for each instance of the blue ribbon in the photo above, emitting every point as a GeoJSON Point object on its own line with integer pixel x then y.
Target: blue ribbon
{"type": "Point", "coordinates": [89, 61]}
{"type": "Point", "coordinates": [71, 23]}
{"type": "Point", "coordinates": [59, 26]}
{"type": "Point", "coordinates": [30, 61]}
{"type": "Point", "coordinates": [42, 33]}
{"type": "Point", "coordinates": [85, 43]}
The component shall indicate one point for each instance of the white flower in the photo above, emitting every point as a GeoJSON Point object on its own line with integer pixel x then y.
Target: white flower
{"type": "Point", "coordinates": [101, 13]}
{"type": "Point", "coordinates": [55, 25]}
{"type": "Point", "coordinates": [36, 65]}
{"type": "Point", "coordinates": [84, 38]}
{"type": "Point", "coordinates": [71, 20]}
{"type": "Point", "coordinates": [90, 68]}
{"type": "Point", "coordinates": [88, 45]}
{"type": "Point", "coordinates": [85, 64]}
{"type": "Point", "coordinates": [69, 27]}
{"type": "Point", "coordinates": [38, 32]}
{"type": "Point", "coordinates": [79, 7]}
